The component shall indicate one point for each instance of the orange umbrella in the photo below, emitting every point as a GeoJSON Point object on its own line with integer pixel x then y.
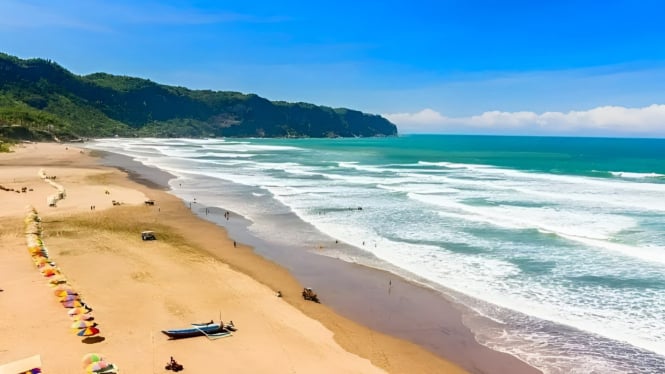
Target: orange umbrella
{"type": "Point", "coordinates": [50, 272]}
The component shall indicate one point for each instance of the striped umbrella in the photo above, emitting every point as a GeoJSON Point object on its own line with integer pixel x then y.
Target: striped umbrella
{"type": "Point", "coordinates": [88, 331]}
{"type": "Point", "coordinates": [79, 310]}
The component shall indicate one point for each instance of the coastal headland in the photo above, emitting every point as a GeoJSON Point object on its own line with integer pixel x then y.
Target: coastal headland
{"type": "Point", "coordinates": [193, 272]}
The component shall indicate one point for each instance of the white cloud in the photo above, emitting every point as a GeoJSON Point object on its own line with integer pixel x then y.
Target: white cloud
{"type": "Point", "coordinates": [603, 121]}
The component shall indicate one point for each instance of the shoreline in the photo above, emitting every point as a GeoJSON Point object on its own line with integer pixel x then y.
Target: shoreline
{"type": "Point", "coordinates": [137, 288]}
{"type": "Point", "coordinates": [409, 311]}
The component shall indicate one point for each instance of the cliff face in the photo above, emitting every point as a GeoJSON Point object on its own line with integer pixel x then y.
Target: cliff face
{"type": "Point", "coordinates": [41, 98]}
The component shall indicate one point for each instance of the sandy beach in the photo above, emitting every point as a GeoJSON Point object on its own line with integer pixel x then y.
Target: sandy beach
{"type": "Point", "coordinates": [137, 288]}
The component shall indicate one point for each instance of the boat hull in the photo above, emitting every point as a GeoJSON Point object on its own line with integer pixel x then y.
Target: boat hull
{"type": "Point", "coordinates": [194, 331]}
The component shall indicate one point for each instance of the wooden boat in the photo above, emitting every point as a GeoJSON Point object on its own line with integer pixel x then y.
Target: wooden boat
{"type": "Point", "coordinates": [198, 330]}
{"type": "Point", "coordinates": [229, 327]}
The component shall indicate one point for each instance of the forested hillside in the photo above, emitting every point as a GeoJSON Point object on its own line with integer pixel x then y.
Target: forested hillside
{"type": "Point", "coordinates": [40, 100]}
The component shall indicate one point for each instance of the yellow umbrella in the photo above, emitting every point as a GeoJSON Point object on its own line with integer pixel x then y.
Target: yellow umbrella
{"type": "Point", "coordinates": [56, 280]}
{"type": "Point", "coordinates": [83, 324]}
{"type": "Point", "coordinates": [64, 291]}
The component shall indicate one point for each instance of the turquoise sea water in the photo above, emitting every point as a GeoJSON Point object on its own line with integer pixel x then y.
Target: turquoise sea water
{"type": "Point", "coordinates": [559, 241]}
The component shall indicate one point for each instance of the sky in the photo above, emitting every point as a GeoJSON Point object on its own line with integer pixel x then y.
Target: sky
{"type": "Point", "coordinates": [512, 67]}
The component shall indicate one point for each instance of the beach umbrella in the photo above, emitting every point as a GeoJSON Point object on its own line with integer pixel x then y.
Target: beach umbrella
{"type": "Point", "coordinates": [69, 297]}
{"type": "Point", "coordinates": [88, 331]}
{"type": "Point", "coordinates": [79, 310]}
{"type": "Point", "coordinates": [89, 358]}
{"type": "Point", "coordinates": [61, 287]}
{"type": "Point", "coordinates": [50, 272]}
{"type": "Point", "coordinates": [82, 317]}
{"type": "Point", "coordinates": [64, 291]}
{"type": "Point", "coordinates": [41, 261]}
{"type": "Point", "coordinates": [56, 280]}
{"type": "Point", "coordinates": [83, 324]}
{"type": "Point", "coordinates": [72, 304]}
{"type": "Point", "coordinates": [46, 268]}
{"type": "Point", "coordinates": [35, 249]}
{"type": "Point", "coordinates": [96, 366]}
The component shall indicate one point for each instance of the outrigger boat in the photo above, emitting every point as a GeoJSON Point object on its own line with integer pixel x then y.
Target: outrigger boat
{"type": "Point", "coordinates": [214, 330]}
{"type": "Point", "coordinates": [228, 326]}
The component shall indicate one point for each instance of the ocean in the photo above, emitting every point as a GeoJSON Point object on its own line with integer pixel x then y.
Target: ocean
{"type": "Point", "coordinates": [559, 242]}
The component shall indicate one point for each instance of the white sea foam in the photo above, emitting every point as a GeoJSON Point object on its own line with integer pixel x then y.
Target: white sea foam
{"type": "Point", "coordinates": [625, 174]}
{"type": "Point", "coordinates": [464, 226]}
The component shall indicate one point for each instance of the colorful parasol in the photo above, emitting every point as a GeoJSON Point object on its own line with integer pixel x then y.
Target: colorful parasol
{"type": "Point", "coordinates": [96, 366]}
{"type": "Point", "coordinates": [62, 291]}
{"type": "Point", "coordinates": [41, 261]}
{"type": "Point", "coordinates": [79, 310]}
{"type": "Point", "coordinates": [90, 358]}
{"type": "Point", "coordinates": [82, 317]}
{"type": "Point", "coordinates": [32, 371]}
{"type": "Point", "coordinates": [72, 304]}
{"type": "Point", "coordinates": [89, 331]}
{"type": "Point", "coordinates": [50, 272]}
{"type": "Point", "coordinates": [69, 297]}
{"type": "Point", "coordinates": [54, 281]}
{"type": "Point", "coordinates": [83, 324]}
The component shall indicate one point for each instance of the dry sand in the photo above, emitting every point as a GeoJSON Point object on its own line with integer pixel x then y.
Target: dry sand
{"type": "Point", "coordinates": [139, 288]}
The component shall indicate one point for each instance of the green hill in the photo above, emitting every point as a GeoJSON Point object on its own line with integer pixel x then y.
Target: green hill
{"type": "Point", "coordinates": [40, 100]}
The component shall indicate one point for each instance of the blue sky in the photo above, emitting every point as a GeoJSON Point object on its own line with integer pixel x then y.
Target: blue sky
{"type": "Point", "coordinates": [504, 67]}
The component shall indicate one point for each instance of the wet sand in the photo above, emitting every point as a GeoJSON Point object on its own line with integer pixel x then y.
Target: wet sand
{"type": "Point", "coordinates": [377, 299]}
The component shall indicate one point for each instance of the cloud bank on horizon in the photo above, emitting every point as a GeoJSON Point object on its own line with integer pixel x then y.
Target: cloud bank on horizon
{"type": "Point", "coordinates": [604, 120]}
